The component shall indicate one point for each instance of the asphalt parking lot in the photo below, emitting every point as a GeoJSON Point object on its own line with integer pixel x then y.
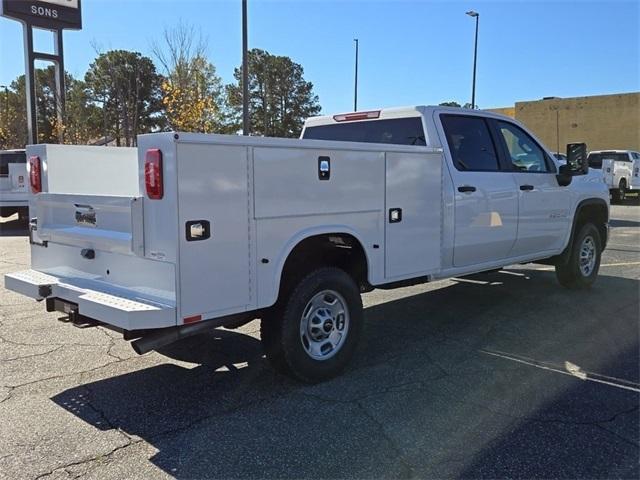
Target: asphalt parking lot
{"type": "Point", "coordinates": [500, 375]}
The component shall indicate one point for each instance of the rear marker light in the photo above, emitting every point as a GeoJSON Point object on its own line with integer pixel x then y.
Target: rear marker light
{"type": "Point", "coordinates": [349, 117]}
{"type": "Point", "coordinates": [35, 174]}
{"type": "Point", "coordinates": [193, 319]}
{"type": "Point", "coordinates": [153, 180]}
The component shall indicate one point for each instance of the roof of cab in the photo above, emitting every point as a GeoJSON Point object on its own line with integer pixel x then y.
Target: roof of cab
{"type": "Point", "coordinates": [399, 112]}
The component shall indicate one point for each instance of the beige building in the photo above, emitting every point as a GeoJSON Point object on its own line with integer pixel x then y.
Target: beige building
{"type": "Point", "coordinates": [603, 121]}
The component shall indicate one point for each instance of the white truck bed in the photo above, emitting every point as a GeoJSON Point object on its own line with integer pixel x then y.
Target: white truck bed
{"type": "Point", "coordinates": [260, 195]}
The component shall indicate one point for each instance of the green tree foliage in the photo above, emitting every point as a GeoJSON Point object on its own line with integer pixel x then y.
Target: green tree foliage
{"type": "Point", "coordinates": [280, 99]}
{"type": "Point", "coordinates": [13, 120]}
{"type": "Point", "coordinates": [128, 86]}
{"type": "Point", "coordinates": [79, 124]}
{"type": "Point", "coordinates": [191, 90]}
{"type": "Point", "coordinates": [455, 104]}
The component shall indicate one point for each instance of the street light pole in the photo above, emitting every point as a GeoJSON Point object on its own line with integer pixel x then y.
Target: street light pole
{"type": "Point", "coordinates": [471, 13]}
{"type": "Point", "coordinates": [355, 93]}
{"type": "Point", "coordinates": [246, 126]}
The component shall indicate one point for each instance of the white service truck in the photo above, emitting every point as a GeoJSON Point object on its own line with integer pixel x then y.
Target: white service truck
{"type": "Point", "coordinates": [619, 170]}
{"type": "Point", "coordinates": [14, 189]}
{"type": "Point", "coordinates": [191, 231]}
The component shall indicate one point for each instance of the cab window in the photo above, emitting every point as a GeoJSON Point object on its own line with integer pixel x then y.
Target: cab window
{"type": "Point", "coordinates": [470, 143]}
{"type": "Point", "coordinates": [522, 151]}
{"type": "Point", "coordinates": [397, 131]}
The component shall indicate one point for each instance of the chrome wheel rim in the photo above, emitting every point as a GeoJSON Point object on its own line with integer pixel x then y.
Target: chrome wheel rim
{"type": "Point", "coordinates": [324, 325]}
{"type": "Point", "coordinates": [587, 256]}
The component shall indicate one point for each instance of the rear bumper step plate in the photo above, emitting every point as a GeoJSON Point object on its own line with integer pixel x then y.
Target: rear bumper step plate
{"type": "Point", "coordinates": [119, 307]}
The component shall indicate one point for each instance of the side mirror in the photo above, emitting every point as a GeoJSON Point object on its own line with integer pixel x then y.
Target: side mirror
{"type": "Point", "coordinates": [577, 162]}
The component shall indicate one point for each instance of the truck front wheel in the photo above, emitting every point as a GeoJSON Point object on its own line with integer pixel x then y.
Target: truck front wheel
{"type": "Point", "coordinates": [581, 269]}
{"type": "Point", "coordinates": [313, 332]}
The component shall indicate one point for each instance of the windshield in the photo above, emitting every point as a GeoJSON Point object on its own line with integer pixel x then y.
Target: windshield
{"type": "Point", "coordinates": [398, 131]}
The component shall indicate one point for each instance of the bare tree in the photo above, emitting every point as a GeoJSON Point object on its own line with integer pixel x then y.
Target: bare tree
{"type": "Point", "coordinates": [191, 90]}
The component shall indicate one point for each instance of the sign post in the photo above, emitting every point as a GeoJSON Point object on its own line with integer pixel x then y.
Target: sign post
{"type": "Point", "coordinates": [53, 15]}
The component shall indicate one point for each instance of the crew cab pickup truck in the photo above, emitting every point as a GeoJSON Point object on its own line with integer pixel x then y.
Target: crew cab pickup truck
{"type": "Point", "coordinates": [14, 193]}
{"type": "Point", "coordinates": [192, 231]}
{"type": "Point", "coordinates": [618, 171]}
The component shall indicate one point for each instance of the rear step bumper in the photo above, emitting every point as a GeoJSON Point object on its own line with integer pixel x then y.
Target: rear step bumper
{"type": "Point", "coordinates": [122, 308]}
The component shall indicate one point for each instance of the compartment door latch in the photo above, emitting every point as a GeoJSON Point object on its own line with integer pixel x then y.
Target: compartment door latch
{"type": "Point", "coordinates": [198, 230]}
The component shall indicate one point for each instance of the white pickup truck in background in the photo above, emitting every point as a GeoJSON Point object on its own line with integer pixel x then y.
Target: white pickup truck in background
{"type": "Point", "coordinates": [190, 231]}
{"type": "Point", "coordinates": [619, 171]}
{"type": "Point", "coordinates": [14, 189]}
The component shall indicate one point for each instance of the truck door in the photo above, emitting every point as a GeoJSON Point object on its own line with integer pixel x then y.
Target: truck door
{"type": "Point", "coordinates": [543, 218]}
{"type": "Point", "coordinates": [485, 196]}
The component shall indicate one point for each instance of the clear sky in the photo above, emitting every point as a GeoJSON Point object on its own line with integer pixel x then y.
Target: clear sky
{"type": "Point", "coordinates": [411, 52]}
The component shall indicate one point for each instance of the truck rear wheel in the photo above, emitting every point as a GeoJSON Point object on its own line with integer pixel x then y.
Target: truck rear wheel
{"type": "Point", "coordinates": [314, 331]}
{"type": "Point", "coordinates": [582, 267]}
{"type": "Point", "coordinates": [620, 193]}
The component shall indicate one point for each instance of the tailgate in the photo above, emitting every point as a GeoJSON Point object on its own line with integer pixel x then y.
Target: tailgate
{"type": "Point", "coordinates": [106, 223]}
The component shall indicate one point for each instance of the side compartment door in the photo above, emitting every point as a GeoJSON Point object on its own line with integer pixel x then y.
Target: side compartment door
{"type": "Point", "coordinates": [486, 200]}
{"type": "Point", "coordinates": [413, 206]}
{"type": "Point", "coordinates": [213, 212]}
{"type": "Point", "coordinates": [543, 218]}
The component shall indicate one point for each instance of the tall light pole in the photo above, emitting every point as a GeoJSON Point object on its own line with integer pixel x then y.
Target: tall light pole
{"type": "Point", "coordinates": [355, 89]}
{"type": "Point", "coordinates": [471, 13]}
{"type": "Point", "coordinates": [246, 126]}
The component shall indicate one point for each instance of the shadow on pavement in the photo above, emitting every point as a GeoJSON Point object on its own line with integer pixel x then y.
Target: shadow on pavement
{"type": "Point", "coordinates": [423, 397]}
{"type": "Point", "coordinates": [14, 227]}
{"type": "Point", "coordinates": [569, 436]}
{"type": "Point", "coordinates": [624, 223]}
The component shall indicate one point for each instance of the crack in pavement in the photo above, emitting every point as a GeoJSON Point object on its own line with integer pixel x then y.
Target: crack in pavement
{"type": "Point", "coordinates": [32, 355]}
{"type": "Point", "coordinates": [87, 460]}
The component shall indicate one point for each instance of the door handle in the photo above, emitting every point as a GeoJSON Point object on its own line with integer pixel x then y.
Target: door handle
{"type": "Point", "coordinates": [526, 187]}
{"type": "Point", "coordinates": [466, 189]}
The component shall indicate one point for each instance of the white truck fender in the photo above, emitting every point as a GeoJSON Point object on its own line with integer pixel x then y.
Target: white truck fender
{"type": "Point", "coordinates": [270, 297]}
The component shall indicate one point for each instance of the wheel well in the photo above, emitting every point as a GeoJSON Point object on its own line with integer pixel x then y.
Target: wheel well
{"type": "Point", "coordinates": [595, 213]}
{"type": "Point", "coordinates": [339, 250]}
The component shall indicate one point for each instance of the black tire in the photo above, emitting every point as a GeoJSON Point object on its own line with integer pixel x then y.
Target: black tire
{"type": "Point", "coordinates": [619, 194]}
{"type": "Point", "coordinates": [571, 275]}
{"type": "Point", "coordinates": [281, 328]}
{"type": "Point", "coordinates": [622, 191]}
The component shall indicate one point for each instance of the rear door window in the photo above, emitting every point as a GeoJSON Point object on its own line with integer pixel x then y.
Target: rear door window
{"type": "Point", "coordinates": [397, 131]}
{"type": "Point", "coordinates": [470, 143]}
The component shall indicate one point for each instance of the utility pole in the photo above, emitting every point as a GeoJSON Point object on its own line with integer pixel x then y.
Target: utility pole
{"type": "Point", "coordinates": [355, 92]}
{"type": "Point", "coordinates": [246, 125]}
{"type": "Point", "coordinates": [476, 15]}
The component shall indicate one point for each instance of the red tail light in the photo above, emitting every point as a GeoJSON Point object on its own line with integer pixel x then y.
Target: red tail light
{"type": "Point", "coordinates": [35, 174]}
{"type": "Point", "coordinates": [153, 174]}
